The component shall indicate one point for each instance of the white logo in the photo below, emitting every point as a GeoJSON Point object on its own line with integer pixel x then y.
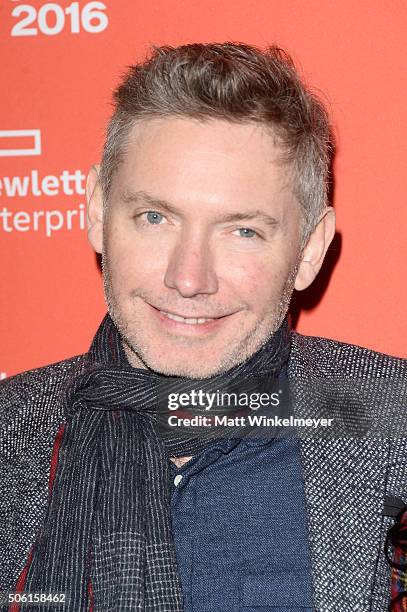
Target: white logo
{"type": "Point", "coordinates": [15, 151]}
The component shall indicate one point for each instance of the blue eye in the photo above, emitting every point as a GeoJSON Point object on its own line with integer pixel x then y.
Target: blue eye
{"type": "Point", "coordinates": [246, 232]}
{"type": "Point", "coordinates": [154, 217]}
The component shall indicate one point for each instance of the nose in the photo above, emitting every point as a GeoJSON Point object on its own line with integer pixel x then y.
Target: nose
{"type": "Point", "coordinates": [190, 267]}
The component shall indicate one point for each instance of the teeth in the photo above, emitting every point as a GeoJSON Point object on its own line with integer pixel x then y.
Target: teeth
{"type": "Point", "coordinates": [182, 320]}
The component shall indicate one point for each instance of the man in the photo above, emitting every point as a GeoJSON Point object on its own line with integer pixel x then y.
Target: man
{"type": "Point", "coordinates": [209, 208]}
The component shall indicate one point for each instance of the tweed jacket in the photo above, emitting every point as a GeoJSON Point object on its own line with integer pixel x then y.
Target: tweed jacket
{"type": "Point", "coordinates": [345, 476]}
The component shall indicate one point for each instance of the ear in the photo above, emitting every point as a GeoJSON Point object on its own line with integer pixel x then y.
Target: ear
{"type": "Point", "coordinates": [314, 251]}
{"type": "Point", "coordinates": [95, 209]}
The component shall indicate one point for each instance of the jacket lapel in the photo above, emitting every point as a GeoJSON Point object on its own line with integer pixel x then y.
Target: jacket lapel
{"type": "Point", "coordinates": [29, 482]}
{"type": "Point", "coordinates": [24, 476]}
{"type": "Point", "coordinates": [344, 482]}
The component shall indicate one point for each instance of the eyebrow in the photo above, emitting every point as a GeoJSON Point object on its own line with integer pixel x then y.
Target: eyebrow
{"type": "Point", "coordinates": [130, 197]}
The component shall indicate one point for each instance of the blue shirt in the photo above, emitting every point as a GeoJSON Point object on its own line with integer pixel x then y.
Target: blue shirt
{"type": "Point", "coordinates": [240, 528]}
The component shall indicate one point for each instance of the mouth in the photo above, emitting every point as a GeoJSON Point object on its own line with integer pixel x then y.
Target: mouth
{"type": "Point", "coordinates": [187, 320]}
{"type": "Point", "coordinates": [188, 324]}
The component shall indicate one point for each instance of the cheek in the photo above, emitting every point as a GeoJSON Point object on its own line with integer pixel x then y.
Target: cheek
{"type": "Point", "coordinates": [259, 284]}
{"type": "Point", "coordinates": [250, 280]}
{"type": "Point", "coordinates": [131, 265]}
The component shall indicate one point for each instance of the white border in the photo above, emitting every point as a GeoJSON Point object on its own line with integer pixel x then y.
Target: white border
{"type": "Point", "coordinates": [36, 150]}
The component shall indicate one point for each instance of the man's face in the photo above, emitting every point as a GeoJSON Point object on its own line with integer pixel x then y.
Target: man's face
{"type": "Point", "coordinates": [201, 244]}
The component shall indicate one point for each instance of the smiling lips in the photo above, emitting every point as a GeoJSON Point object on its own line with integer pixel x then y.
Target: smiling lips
{"type": "Point", "coordinates": [178, 322]}
{"type": "Point", "coordinates": [187, 320]}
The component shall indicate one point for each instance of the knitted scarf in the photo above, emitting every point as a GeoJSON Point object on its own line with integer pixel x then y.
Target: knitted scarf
{"type": "Point", "coordinates": [106, 541]}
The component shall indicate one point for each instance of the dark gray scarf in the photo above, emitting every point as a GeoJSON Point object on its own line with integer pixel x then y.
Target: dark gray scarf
{"type": "Point", "coordinates": [106, 540]}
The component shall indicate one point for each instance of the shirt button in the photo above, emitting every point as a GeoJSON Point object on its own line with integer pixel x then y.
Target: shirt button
{"type": "Point", "coordinates": [177, 479]}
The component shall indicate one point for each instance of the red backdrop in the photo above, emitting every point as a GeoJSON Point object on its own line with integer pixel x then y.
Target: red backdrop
{"type": "Point", "coordinates": [60, 62]}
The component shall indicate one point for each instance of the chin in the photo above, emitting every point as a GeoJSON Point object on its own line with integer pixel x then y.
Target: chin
{"type": "Point", "coordinates": [181, 358]}
{"type": "Point", "coordinates": [194, 364]}
{"type": "Point", "coordinates": [181, 368]}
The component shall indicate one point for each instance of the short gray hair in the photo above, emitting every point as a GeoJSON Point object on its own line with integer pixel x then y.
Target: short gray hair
{"type": "Point", "coordinates": [234, 82]}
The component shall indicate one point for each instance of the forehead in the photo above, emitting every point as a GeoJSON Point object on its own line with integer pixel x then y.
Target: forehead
{"type": "Point", "coordinates": [212, 161]}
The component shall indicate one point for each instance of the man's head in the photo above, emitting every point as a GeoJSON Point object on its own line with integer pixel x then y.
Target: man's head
{"type": "Point", "coordinates": [210, 203]}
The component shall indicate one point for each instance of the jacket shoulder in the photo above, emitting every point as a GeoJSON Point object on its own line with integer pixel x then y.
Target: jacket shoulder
{"type": "Point", "coordinates": [30, 402]}
{"type": "Point", "coordinates": [326, 357]}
